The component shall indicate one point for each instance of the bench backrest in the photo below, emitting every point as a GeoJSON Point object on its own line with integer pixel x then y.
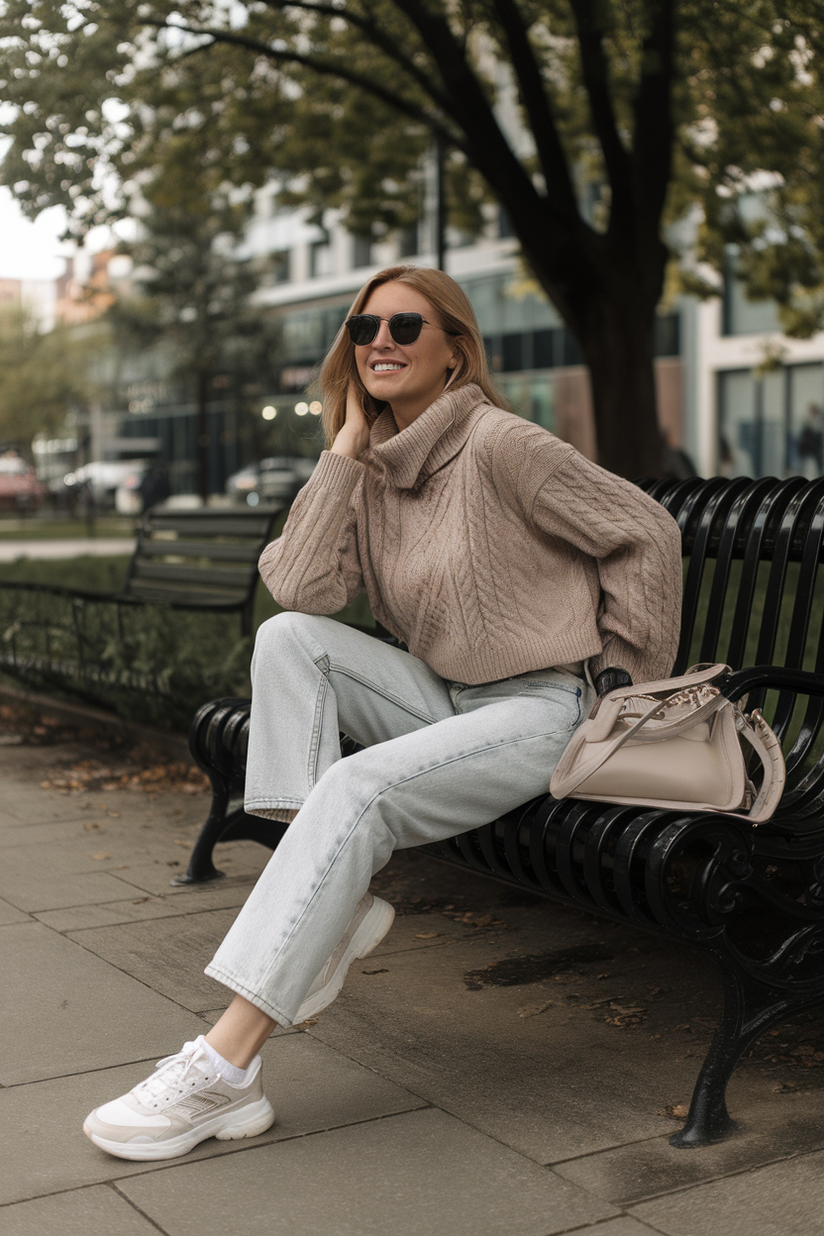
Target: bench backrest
{"type": "Point", "coordinates": [202, 559]}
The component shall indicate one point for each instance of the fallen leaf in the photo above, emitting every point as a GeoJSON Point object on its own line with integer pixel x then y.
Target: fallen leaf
{"type": "Point", "coordinates": [678, 1111]}
{"type": "Point", "coordinates": [384, 971]}
{"type": "Point", "coordinates": [533, 1010]}
{"type": "Point", "coordinates": [426, 935]}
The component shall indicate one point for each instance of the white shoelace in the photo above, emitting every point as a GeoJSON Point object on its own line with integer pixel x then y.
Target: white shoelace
{"type": "Point", "coordinates": [169, 1076]}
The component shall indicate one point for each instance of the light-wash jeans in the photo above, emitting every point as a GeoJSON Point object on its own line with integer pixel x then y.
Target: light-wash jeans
{"type": "Point", "coordinates": [440, 758]}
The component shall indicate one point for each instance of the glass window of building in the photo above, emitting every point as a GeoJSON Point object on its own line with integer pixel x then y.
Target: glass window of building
{"type": "Point", "coordinates": [361, 250]}
{"type": "Point", "coordinates": [280, 266]}
{"type": "Point", "coordinates": [320, 259]}
{"type": "Point", "coordinates": [772, 424]}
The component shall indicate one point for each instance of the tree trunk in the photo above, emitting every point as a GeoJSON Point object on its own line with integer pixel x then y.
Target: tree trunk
{"type": "Point", "coordinates": [618, 344]}
{"type": "Point", "coordinates": [607, 295]}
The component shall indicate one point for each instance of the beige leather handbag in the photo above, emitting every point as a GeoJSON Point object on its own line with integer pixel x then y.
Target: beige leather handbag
{"type": "Point", "coordinates": [675, 744]}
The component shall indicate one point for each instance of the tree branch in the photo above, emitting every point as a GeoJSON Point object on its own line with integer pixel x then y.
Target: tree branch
{"type": "Point", "coordinates": [596, 80]}
{"type": "Point", "coordinates": [654, 129]}
{"type": "Point", "coordinates": [326, 67]}
{"type": "Point", "coordinates": [469, 109]}
{"type": "Point", "coordinates": [375, 36]}
{"type": "Point", "coordinates": [542, 122]}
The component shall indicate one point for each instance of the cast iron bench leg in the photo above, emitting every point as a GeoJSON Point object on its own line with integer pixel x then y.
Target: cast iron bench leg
{"type": "Point", "coordinates": [220, 826]}
{"type": "Point", "coordinates": [752, 1004]}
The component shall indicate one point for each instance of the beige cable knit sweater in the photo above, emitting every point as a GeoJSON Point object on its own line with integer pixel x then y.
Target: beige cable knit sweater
{"type": "Point", "coordinates": [487, 545]}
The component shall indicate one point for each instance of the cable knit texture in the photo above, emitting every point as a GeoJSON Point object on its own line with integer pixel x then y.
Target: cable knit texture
{"type": "Point", "coordinates": [487, 545]}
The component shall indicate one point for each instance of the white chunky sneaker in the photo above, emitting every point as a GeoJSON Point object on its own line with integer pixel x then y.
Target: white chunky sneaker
{"type": "Point", "coordinates": [370, 923]}
{"type": "Point", "coordinates": [182, 1103]}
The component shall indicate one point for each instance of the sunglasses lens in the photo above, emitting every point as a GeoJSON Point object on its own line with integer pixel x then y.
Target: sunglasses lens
{"type": "Point", "coordinates": [405, 327]}
{"type": "Point", "coordinates": [363, 328]}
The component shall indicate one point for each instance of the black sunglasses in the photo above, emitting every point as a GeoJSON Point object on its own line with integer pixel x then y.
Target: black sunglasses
{"type": "Point", "coordinates": [403, 327]}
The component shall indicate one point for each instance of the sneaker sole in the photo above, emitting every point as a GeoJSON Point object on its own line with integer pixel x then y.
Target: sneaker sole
{"type": "Point", "coordinates": [365, 940]}
{"type": "Point", "coordinates": [247, 1122]}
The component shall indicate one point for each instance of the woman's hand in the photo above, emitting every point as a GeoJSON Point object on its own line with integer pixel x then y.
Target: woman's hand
{"type": "Point", "coordinates": [353, 437]}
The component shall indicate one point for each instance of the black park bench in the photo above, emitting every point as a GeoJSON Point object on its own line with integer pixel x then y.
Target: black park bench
{"type": "Point", "coordinates": [752, 897]}
{"type": "Point", "coordinates": [202, 560]}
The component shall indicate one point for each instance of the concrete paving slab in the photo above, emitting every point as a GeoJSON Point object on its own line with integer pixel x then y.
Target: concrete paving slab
{"type": "Point", "coordinates": [31, 885]}
{"type": "Point", "coordinates": [75, 1012]}
{"type": "Point", "coordinates": [167, 954]}
{"type": "Point", "coordinates": [625, 1226]}
{"type": "Point", "coordinates": [94, 867]}
{"type": "Point", "coordinates": [238, 860]}
{"type": "Point", "coordinates": [15, 832]}
{"type": "Point", "coordinates": [193, 899]}
{"type": "Point", "coordinates": [774, 1127]}
{"type": "Point", "coordinates": [785, 1199]}
{"type": "Point", "coordinates": [25, 802]}
{"type": "Point", "coordinates": [43, 1149]}
{"type": "Point", "coordinates": [98, 1211]}
{"type": "Point", "coordinates": [410, 1175]}
{"type": "Point", "coordinates": [413, 1016]}
{"type": "Point", "coordinates": [10, 914]}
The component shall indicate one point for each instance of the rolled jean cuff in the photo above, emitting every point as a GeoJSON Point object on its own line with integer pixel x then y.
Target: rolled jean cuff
{"type": "Point", "coordinates": [259, 1001]}
{"type": "Point", "coordinates": [282, 809]}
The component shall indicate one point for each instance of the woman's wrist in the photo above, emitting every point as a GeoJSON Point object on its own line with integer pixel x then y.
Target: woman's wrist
{"type": "Point", "coordinates": [349, 443]}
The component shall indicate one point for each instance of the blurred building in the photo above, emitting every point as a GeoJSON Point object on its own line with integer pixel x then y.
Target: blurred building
{"type": "Point", "coordinates": [311, 275]}
{"type": "Point", "coordinates": [736, 396]}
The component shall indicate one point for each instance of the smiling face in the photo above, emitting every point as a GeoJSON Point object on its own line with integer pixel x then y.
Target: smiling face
{"type": "Point", "coordinates": [411, 376]}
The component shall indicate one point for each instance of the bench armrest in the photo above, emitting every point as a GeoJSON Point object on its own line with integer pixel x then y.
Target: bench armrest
{"type": "Point", "coordinates": [741, 682]}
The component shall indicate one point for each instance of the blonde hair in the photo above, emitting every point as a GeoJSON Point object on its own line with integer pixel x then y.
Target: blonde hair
{"type": "Point", "coordinates": [457, 317]}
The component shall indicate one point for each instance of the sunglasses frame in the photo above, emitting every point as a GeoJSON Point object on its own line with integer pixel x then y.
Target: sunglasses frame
{"type": "Point", "coordinates": [357, 318]}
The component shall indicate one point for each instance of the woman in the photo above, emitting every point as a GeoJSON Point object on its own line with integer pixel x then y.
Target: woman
{"type": "Point", "coordinates": [515, 571]}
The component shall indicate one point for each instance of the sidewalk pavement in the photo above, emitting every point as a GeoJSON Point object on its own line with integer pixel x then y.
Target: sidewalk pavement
{"type": "Point", "coordinates": [501, 1066]}
{"type": "Point", "coordinates": [68, 547]}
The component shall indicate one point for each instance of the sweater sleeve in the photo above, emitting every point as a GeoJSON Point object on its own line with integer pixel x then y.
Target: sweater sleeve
{"type": "Point", "coordinates": [636, 546]}
{"type": "Point", "coordinates": [314, 567]}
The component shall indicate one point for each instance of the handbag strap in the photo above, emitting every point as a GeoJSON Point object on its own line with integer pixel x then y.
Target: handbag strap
{"type": "Point", "coordinates": [764, 742]}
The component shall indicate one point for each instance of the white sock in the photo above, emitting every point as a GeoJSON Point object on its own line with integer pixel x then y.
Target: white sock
{"type": "Point", "coordinates": [229, 1072]}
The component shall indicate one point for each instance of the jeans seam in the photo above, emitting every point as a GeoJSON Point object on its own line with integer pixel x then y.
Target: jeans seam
{"type": "Point", "coordinates": [346, 672]}
{"type": "Point", "coordinates": [317, 725]}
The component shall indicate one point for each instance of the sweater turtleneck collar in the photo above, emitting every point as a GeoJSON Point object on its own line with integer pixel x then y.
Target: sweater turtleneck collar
{"type": "Point", "coordinates": [433, 438]}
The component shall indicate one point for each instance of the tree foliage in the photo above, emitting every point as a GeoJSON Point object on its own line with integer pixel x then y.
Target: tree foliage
{"type": "Point", "coordinates": [655, 104]}
{"type": "Point", "coordinates": [44, 374]}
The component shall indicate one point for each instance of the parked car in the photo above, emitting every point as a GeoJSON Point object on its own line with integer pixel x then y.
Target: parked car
{"type": "Point", "coordinates": [100, 479]}
{"type": "Point", "coordinates": [20, 490]}
{"type": "Point", "coordinates": [276, 479]}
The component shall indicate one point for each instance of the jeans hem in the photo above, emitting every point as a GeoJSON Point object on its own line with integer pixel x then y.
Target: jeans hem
{"type": "Point", "coordinates": [253, 997]}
